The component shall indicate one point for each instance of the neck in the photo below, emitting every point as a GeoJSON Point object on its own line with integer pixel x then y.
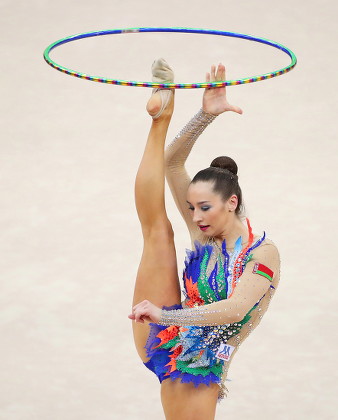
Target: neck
{"type": "Point", "coordinates": [232, 231]}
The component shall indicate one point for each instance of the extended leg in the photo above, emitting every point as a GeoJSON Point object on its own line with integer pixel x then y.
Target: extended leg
{"type": "Point", "coordinates": [157, 278]}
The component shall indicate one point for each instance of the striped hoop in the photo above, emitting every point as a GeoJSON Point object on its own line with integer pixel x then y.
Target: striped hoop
{"type": "Point", "coordinates": [170, 85]}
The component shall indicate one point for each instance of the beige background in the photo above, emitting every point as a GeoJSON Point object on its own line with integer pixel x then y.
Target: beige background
{"type": "Point", "coordinates": [70, 240]}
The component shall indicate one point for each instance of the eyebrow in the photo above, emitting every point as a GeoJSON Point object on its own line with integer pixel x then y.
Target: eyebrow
{"type": "Point", "coordinates": [200, 202]}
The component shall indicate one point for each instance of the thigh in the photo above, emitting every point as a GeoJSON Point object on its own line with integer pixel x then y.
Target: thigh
{"type": "Point", "coordinates": [186, 402]}
{"type": "Point", "coordinates": [157, 276]}
{"type": "Point", "coordinates": [157, 279]}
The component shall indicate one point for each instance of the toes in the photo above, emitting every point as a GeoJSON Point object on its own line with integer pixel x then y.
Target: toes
{"type": "Point", "coordinates": [162, 72]}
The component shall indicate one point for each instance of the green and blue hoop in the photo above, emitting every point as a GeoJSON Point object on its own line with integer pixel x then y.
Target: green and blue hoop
{"type": "Point", "coordinates": [170, 85]}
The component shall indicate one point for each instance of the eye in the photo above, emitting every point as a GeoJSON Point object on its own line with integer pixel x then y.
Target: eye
{"type": "Point", "coordinates": [205, 208]}
{"type": "Point", "coordinates": [191, 208]}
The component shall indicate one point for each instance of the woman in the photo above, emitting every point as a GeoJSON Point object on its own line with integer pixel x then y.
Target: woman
{"type": "Point", "coordinates": [230, 274]}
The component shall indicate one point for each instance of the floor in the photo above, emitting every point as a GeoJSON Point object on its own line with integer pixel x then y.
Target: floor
{"type": "Point", "coordinates": [70, 240]}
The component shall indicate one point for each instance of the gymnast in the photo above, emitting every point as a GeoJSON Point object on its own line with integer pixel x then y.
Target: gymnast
{"type": "Point", "coordinates": [230, 273]}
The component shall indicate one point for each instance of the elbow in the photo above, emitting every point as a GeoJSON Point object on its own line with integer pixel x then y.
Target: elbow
{"type": "Point", "coordinates": [167, 160]}
{"type": "Point", "coordinates": [172, 162]}
{"type": "Point", "coordinates": [238, 307]}
{"type": "Point", "coordinates": [169, 167]}
{"type": "Point", "coordinates": [231, 318]}
{"type": "Point", "coordinates": [172, 166]}
{"type": "Point", "coordinates": [168, 157]}
{"type": "Point", "coordinates": [236, 317]}
{"type": "Point", "coordinates": [238, 313]}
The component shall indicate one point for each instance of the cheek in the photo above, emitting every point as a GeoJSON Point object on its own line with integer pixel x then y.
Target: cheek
{"type": "Point", "coordinates": [214, 214]}
{"type": "Point", "coordinates": [219, 215]}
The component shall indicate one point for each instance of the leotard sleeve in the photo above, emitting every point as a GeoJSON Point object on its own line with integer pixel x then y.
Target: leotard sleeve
{"type": "Point", "coordinates": [250, 288]}
{"type": "Point", "coordinates": [175, 156]}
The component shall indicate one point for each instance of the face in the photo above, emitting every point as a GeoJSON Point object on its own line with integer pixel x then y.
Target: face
{"type": "Point", "coordinates": [208, 210]}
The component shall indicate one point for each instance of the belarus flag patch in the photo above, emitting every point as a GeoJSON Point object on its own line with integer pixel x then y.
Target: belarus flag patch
{"type": "Point", "coordinates": [263, 271]}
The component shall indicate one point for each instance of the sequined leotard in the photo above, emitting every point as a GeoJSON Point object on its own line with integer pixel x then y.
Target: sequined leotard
{"type": "Point", "coordinates": [196, 344]}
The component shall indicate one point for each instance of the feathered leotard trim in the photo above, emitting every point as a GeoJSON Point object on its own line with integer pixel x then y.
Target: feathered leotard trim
{"type": "Point", "coordinates": [189, 353]}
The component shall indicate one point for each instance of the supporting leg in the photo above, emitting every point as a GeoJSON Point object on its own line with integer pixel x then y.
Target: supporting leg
{"type": "Point", "coordinates": [190, 403]}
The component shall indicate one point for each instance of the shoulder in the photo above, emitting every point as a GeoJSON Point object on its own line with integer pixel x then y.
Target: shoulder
{"type": "Point", "coordinates": [267, 242]}
{"type": "Point", "coordinates": [266, 253]}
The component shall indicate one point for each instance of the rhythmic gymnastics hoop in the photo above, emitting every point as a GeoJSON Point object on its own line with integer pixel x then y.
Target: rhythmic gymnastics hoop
{"type": "Point", "coordinates": [169, 85]}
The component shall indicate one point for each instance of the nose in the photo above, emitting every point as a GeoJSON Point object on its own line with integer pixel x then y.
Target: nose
{"type": "Point", "coordinates": [196, 217]}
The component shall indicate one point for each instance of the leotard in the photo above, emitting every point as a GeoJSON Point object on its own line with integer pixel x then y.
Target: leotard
{"type": "Point", "coordinates": [191, 343]}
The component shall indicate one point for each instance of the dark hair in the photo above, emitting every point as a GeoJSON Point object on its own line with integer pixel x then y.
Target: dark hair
{"type": "Point", "coordinates": [223, 173]}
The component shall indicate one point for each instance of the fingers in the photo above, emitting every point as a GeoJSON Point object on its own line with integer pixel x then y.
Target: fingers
{"type": "Point", "coordinates": [140, 311]}
{"type": "Point", "coordinates": [137, 316]}
{"type": "Point", "coordinates": [146, 311]}
{"type": "Point", "coordinates": [140, 305]}
{"type": "Point", "coordinates": [214, 99]}
{"type": "Point", "coordinates": [213, 73]}
{"type": "Point", "coordinates": [216, 74]}
{"type": "Point", "coordinates": [220, 74]}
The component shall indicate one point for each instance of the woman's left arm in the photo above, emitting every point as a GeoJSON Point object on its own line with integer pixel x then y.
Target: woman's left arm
{"type": "Point", "coordinates": [251, 287]}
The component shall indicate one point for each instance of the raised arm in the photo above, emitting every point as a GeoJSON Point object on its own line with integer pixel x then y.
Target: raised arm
{"type": "Point", "coordinates": [176, 154]}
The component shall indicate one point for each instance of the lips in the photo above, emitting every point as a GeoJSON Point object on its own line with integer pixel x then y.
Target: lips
{"type": "Point", "coordinates": [203, 227]}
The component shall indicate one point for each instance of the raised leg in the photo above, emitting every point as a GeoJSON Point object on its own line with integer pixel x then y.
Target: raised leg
{"type": "Point", "coordinates": [157, 277]}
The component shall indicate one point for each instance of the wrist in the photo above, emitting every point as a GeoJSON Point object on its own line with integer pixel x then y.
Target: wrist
{"type": "Point", "coordinates": [207, 114]}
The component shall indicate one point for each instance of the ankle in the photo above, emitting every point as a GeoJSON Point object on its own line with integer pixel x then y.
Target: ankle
{"type": "Point", "coordinates": [161, 123]}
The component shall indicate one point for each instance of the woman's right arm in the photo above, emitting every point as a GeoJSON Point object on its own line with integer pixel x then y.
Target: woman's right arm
{"type": "Point", "coordinates": [176, 155]}
{"type": "Point", "coordinates": [214, 103]}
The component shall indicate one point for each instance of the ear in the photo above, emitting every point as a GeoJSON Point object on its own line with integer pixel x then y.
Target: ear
{"type": "Point", "coordinates": [232, 203]}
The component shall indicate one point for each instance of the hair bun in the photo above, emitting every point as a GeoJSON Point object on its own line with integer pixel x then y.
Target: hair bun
{"type": "Point", "coordinates": [225, 162]}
